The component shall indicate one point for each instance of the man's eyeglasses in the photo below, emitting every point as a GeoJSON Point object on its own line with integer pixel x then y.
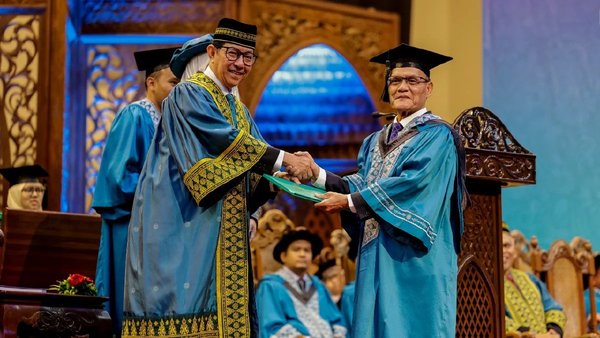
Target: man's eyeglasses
{"type": "Point", "coordinates": [410, 80]}
{"type": "Point", "coordinates": [233, 54]}
{"type": "Point", "coordinates": [31, 190]}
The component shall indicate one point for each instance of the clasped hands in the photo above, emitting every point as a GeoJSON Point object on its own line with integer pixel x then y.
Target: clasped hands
{"type": "Point", "coordinates": [300, 166]}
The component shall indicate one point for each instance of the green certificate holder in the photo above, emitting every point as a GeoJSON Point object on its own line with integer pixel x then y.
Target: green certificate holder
{"type": "Point", "coordinates": [303, 191]}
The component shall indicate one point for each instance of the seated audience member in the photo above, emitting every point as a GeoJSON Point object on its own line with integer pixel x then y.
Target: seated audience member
{"type": "Point", "coordinates": [332, 275]}
{"type": "Point", "coordinates": [595, 283]}
{"type": "Point", "coordinates": [26, 187]}
{"type": "Point", "coordinates": [528, 304]}
{"type": "Point", "coordinates": [347, 305]}
{"type": "Point", "coordinates": [290, 302]}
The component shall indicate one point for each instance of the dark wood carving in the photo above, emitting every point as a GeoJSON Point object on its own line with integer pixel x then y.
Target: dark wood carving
{"type": "Point", "coordinates": [34, 313]}
{"type": "Point", "coordinates": [493, 152]}
{"type": "Point", "coordinates": [43, 247]}
{"type": "Point", "coordinates": [494, 159]}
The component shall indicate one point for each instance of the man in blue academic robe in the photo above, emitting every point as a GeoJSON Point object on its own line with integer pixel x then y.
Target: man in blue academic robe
{"type": "Point", "coordinates": [291, 303]}
{"type": "Point", "coordinates": [408, 196]}
{"type": "Point", "coordinates": [124, 154]}
{"type": "Point", "coordinates": [188, 264]}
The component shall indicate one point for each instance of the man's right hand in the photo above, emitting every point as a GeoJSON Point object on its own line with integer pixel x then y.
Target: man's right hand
{"type": "Point", "coordinates": [298, 166]}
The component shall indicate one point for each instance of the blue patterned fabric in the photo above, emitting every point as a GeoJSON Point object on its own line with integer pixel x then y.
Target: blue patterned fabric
{"type": "Point", "coordinates": [124, 154]}
{"type": "Point", "coordinates": [407, 259]}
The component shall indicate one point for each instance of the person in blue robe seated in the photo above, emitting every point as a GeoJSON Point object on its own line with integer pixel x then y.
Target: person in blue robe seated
{"type": "Point", "coordinates": [404, 208]}
{"type": "Point", "coordinates": [27, 187]}
{"type": "Point", "coordinates": [333, 277]}
{"type": "Point", "coordinates": [595, 283]}
{"type": "Point", "coordinates": [124, 154]}
{"type": "Point", "coordinates": [187, 267]}
{"type": "Point", "coordinates": [347, 305]}
{"type": "Point", "coordinates": [290, 302]}
{"type": "Point", "coordinates": [529, 307]}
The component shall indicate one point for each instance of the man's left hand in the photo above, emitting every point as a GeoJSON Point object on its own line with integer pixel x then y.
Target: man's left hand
{"type": "Point", "coordinates": [332, 202]}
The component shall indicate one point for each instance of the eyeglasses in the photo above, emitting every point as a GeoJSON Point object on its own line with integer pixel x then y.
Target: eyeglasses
{"type": "Point", "coordinates": [31, 190]}
{"type": "Point", "coordinates": [394, 81]}
{"type": "Point", "coordinates": [233, 54]}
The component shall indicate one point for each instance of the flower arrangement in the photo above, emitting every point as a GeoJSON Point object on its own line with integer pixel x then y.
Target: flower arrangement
{"type": "Point", "coordinates": [76, 284]}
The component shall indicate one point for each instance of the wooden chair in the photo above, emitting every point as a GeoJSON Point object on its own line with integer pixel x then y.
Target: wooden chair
{"type": "Point", "coordinates": [582, 248]}
{"type": "Point", "coordinates": [563, 274]}
{"type": "Point", "coordinates": [271, 226]}
{"type": "Point", "coordinates": [523, 261]}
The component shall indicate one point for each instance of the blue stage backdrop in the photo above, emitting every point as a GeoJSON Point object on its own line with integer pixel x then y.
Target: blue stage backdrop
{"type": "Point", "coordinates": [542, 78]}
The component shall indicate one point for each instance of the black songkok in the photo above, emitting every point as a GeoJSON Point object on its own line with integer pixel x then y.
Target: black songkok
{"type": "Point", "coordinates": [233, 31]}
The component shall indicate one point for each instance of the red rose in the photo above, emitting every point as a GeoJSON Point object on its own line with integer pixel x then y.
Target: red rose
{"type": "Point", "coordinates": [75, 279]}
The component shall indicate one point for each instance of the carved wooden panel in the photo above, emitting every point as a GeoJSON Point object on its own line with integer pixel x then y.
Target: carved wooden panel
{"type": "Point", "coordinates": [477, 305]}
{"type": "Point", "coordinates": [494, 153]}
{"type": "Point", "coordinates": [19, 88]}
{"type": "Point", "coordinates": [286, 26]}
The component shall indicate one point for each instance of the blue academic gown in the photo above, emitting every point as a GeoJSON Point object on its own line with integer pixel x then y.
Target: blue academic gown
{"type": "Point", "coordinates": [122, 160]}
{"type": "Point", "coordinates": [188, 262]}
{"type": "Point", "coordinates": [347, 304]}
{"type": "Point", "coordinates": [409, 197]}
{"type": "Point", "coordinates": [278, 316]}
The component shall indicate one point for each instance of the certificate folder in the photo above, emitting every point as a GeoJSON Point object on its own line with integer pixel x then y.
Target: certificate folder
{"type": "Point", "coordinates": [303, 191]}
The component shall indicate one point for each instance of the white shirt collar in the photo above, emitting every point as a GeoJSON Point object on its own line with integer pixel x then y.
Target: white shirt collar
{"type": "Point", "coordinates": [405, 121]}
{"type": "Point", "coordinates": [209, 72]}
{"type": "Point", "coordinates": [292, 275]}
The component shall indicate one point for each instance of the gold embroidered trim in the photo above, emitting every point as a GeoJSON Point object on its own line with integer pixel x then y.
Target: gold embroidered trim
{"type": "Point", "coordinates": [233, 266]}
{"type": "Point", "coordinates": [245, 151]}
{"type": "Point", "coordinates": [524, 305]}
{"type": "Point", "coordinates": [234, 33]}
{"type": "Point", "coordinates": [190, 326]}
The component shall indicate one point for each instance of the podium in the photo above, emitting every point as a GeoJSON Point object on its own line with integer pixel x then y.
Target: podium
{"type": "Point", "coordinates": [38, 248]}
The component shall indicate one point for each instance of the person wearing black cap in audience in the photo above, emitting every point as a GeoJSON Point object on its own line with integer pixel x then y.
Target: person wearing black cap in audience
{"type": "Point", "coordinates": [122, 160]}
{"type": "Point", "coordinates": [408, 197]}
{"type": "Point", "coordinates": [291, 303]}
{"type": "Point", "coordinates": [188, 261]}
{"type": "Point", "coordinates": [27, 187]}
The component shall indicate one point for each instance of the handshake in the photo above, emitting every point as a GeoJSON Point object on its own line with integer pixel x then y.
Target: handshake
{"type": "Point", "coordinates": [300, 166]}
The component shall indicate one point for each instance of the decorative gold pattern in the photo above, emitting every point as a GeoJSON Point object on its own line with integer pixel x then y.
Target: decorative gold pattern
{"type": "Point", "coordinates": [525, 302]}
{"type": "Point", "coordinates": [19, 66]}
{"type": "Point", "coordinates": [239, 157]}
{"type": "Point", "coordinates": [112, 84]}
{"type": "Point", "coordinates": [232, 266]}
{"type": "Point", "coordinates": [234, 33]}
{"type": "Point", "coordinates": [176, 326]}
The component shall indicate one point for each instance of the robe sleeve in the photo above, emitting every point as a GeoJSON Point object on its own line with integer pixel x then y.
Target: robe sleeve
{"type": "Point", "coordinates": [329, 311]}
{"type": "Point", "coordinates": [205, 146]}
{"type": "Point", "coordinates": [416, 196]}
{"type": "Point", "coordinates": [555, 317]}
{"type": "Point", "coordinates": [122, 161]}
{"type": "Point", "coordinates": [276, 311]}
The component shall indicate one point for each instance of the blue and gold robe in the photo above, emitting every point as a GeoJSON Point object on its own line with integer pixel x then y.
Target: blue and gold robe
{"type": "Point", "coordinates": [285, 311]}
{"type": "Point", "coordinates": [122, 161]}
{"type": "Point", "coordinates": [529, 306]}
{"type": "Point", "coordinates": [188, 265]}
{"type": "Point", "coordinates": [409, 198]}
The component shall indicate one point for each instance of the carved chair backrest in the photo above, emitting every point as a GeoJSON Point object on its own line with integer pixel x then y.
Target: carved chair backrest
{"type": "Point", "coordinates": [523, 261]}
{"type": "Point", "coordinates": [582, 249]}
{"type": "Point", "coordinates": [563, 275]}
{"type": "Point", "coordinates": [271, 226]}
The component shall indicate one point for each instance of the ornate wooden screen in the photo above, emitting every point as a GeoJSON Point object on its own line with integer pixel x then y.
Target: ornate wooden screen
{"type": "Point", "coordinates": [494, 159]}
{"type": "Point", "coordinates": [28, 63]}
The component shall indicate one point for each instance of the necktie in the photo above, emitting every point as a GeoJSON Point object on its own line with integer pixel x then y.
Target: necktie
{"type": "Point", "coordinates": [231, 101]}
{"type": "Point", "coordinates": [301, 284]}
{"type": "Point", "coordinates": [396, 128]}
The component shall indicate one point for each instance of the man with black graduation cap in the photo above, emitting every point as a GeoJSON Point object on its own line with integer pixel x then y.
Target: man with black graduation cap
{"type": "Point", "coordinates": [122, 160]}
{"type": "Point", "coordinates": [188, 262]}
{"type": "Point", "coordinates": [26, 186]}
{"type": "Point", "coordinates": [408, 196]}
{"type": "Point", "coordinates": [291, 303]}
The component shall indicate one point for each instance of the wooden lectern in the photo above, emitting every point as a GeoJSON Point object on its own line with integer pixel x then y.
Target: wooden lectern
{"type": "Point", "coordinates": [494, 160]}
{"type": "Point", "coordinates": [37, 249]}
